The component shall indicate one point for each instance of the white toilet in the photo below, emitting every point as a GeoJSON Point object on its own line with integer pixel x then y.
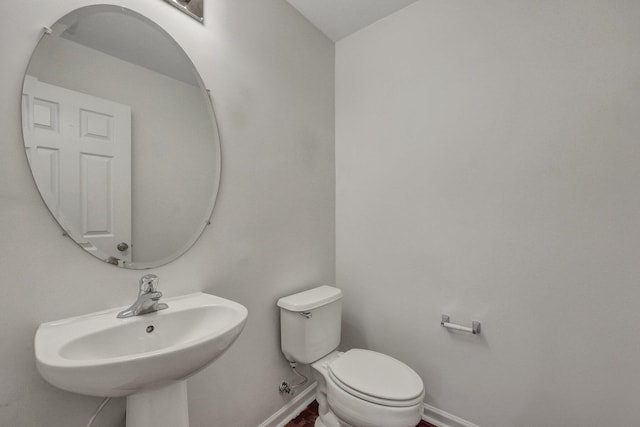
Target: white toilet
{"type": "Point", "coordinates": [357, 388]}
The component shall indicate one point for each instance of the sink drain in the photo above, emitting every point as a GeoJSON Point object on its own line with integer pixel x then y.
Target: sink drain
{"type": "Point", "coordinates": [150, 329]}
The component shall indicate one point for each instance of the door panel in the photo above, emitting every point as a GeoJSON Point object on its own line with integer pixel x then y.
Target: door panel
{"type": "Point", "coordinates": [79, 147]}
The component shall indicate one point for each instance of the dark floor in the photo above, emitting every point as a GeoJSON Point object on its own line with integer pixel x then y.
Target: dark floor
{"type": "Point", "coordinates": [308, 417]}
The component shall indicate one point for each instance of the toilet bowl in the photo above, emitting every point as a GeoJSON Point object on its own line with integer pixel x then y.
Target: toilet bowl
{"type": "Point", "coordinates": [357, 388]}
{"type": "Point", "coordinates": [363, 388]}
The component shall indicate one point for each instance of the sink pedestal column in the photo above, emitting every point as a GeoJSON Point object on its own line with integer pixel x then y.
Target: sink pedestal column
{"type": "Point", "coordinates": [160, 407]}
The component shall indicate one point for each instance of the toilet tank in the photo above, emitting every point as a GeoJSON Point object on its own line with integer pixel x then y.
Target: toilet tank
{"type": "Point", "coordinates": [310, 323]}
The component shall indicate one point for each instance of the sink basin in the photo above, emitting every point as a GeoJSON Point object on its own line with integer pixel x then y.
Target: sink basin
{"type": "Point", "coordinates": [98, 354]}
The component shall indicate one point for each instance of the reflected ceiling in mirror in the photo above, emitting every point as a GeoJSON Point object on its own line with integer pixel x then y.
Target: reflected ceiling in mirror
{"type": "Point", "coordinates": [120, 136]}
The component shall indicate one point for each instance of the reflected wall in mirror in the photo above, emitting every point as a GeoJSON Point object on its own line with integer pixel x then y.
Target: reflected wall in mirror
{"type": "Point", "coordinates": [120, 136]}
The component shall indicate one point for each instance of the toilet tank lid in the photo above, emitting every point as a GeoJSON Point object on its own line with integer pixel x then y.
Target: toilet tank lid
{"type": "Point", "coordinates": [308, 300]}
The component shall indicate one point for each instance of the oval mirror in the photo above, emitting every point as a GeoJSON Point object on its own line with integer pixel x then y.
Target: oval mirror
{"type": "Point", "coordinates": [120, 135]}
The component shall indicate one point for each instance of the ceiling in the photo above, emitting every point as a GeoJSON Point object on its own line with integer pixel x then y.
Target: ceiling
{"type": "Point", "coordinates": [128, 36]}
{"type": "Point", "coordinates": [339, 18]}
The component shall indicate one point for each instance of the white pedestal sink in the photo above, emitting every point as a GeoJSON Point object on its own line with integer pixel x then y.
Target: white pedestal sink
{"type": "Point", "coordinates": [146, 358]}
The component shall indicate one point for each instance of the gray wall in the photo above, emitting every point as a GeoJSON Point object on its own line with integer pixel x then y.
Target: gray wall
{"type": "Point", "coordinates": [273, 231]}
{"type": "Point", "coordinates": [488, 167]}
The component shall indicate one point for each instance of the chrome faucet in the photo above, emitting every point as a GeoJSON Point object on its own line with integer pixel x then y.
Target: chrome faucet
{"type": "Point", "coordinates": [148, 298]}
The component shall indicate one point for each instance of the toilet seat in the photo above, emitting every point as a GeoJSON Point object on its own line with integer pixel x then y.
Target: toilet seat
{"type": "Point", "coordinates": [376, 378]}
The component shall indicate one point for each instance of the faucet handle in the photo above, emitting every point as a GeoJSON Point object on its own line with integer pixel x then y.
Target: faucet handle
{"type": "Point", "coordinates": [148, 283]}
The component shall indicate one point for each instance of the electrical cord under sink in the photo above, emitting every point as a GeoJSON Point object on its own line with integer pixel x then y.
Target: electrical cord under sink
{"type": "Point", "coordinates": [100, 407]}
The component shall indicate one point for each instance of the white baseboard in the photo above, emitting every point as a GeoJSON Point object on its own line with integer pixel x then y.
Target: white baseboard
{"type": "Point", "coordinates": [295, 406]}
{"type": "Point", "coordinates": [292, 409]}
{"type": "Point", "coordinates": [440, 418]}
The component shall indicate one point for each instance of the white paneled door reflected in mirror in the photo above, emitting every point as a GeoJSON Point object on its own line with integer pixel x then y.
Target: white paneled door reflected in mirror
{"type": "Point", "coordinates": [120, 135]}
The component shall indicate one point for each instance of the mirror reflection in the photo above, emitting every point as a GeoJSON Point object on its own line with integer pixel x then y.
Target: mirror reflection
{"type": "Point", "coordinates": [120, 136]}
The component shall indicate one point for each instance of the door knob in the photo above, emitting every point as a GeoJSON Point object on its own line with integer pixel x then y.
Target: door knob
{"type": "Point", "coordinates": [122, 247]}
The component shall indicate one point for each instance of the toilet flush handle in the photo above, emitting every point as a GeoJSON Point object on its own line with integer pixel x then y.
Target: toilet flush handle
{"type": "Point", "coordinates": [306, 314]}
